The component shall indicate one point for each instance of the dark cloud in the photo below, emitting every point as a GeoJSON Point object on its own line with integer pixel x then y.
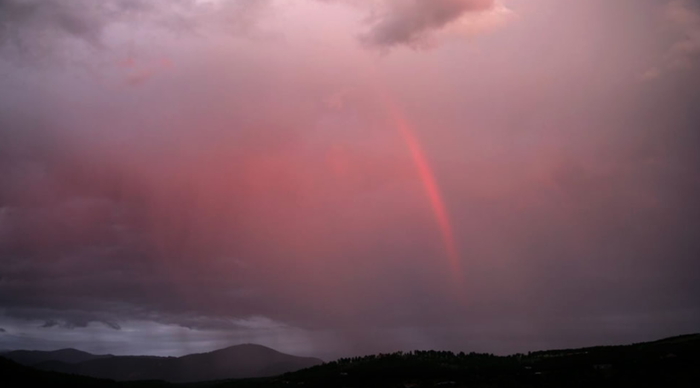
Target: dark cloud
{"type": "Point", "coordinates": [50, 323]}
{"type": "Point", "coordinates": [411, 22]}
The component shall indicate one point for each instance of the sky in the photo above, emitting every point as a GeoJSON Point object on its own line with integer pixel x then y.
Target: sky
{"type": "Point", "coordinates": [334, 178]}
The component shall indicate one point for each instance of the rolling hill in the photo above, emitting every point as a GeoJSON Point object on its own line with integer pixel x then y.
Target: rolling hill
{"type": "Point", "coordinates": [241, 361]}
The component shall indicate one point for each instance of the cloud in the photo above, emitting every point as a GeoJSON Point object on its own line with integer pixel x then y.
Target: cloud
{"type": "Point", "coordinates": [413, 22]}
{"type": "Point", "coordinates": [78, 19]}
{"type": "Point", "coordinates": [79, 320]}
{"type": "Point", "coordinates": [35, 26]}
{"type": "Point", "coordinates": [682, 17]}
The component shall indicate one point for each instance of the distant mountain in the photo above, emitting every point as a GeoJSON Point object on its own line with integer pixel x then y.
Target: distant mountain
{"type": "Point", "coordinates": [33, 357]}
{"type": "Point", "coordinates": [242, 361]}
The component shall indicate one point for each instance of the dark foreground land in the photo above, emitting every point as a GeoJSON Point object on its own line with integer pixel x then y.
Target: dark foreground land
{"type": "Point", "coordinates": [672, 362]}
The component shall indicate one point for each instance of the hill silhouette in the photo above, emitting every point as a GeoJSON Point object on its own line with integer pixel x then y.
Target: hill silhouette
{"type": "Point", "coordinates": [672, 362]}
{"type": "Point", "coordinates": [241, 361]}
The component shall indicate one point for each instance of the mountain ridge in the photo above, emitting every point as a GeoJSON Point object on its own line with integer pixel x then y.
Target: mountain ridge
{"type": "Point", "coordinates": [236, 361]}
{"type": "Point", "coordinates": [671, 362]}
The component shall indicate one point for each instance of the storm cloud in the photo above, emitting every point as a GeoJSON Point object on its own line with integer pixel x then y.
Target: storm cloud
{"type": "Point", "coordinates": [412, 22]}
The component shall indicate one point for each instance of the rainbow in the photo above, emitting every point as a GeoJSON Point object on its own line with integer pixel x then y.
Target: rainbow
{"type": "Point", "coordinates": [430, 184]}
